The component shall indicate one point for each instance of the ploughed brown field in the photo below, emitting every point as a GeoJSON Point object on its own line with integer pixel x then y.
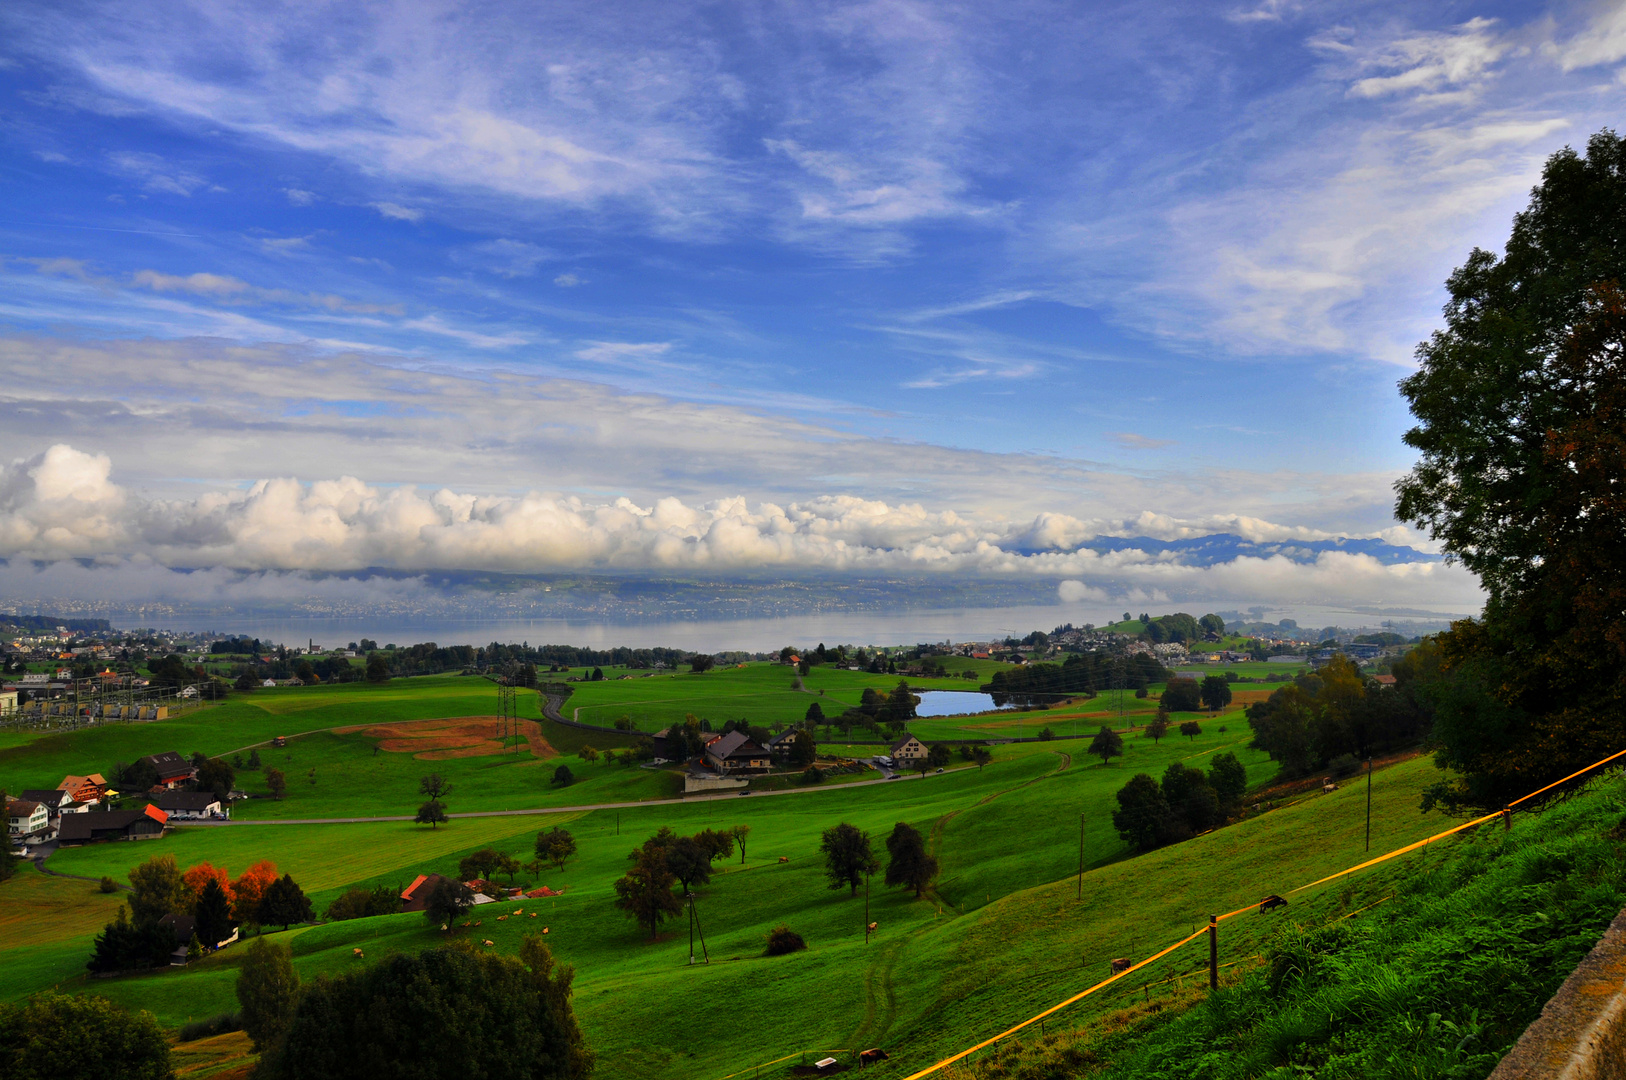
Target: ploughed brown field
{"type": "Point", "coordinates": [437, 740]}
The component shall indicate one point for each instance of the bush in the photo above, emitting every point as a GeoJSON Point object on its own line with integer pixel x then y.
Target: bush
{"type": "Point", "coordinates": [782, 939]}
{"type": "Point", "coordinates": [108, 885]}
{"type": "Point", "coordinates": [215, 1025]}
{"type": "Point", "coordinates": [1344, 765]}
{"type": "Point", "coordinates": [1046, 735]}
{"type": "Point", "coordinates": [813, 775]}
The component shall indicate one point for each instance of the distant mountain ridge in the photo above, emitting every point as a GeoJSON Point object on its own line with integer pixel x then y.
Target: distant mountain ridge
{"type": "Point", "coordinates": [1219, 548]}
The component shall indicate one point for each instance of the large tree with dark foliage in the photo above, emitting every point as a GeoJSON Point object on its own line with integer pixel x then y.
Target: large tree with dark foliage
{"type": "Point", "coordinates": [437, 1013]}
{"type": "Point", "coordinates": [53, 1035]}
{"type": "Point", "coordinates": [847, 856]}
{"type": "Point", "coordinates": [1082, 675]}
{"type": "Point", "coordinates": [1520, 402]}
{"type": "Point", "coordinates": [908, 865]}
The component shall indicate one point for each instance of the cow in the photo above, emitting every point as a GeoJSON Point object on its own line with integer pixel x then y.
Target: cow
{"type": "Point", "coordinates": [355, 952]}
{"type": "Point", "coordinates": [871, 1056]}
{"type": "Point", "coordinates": [544, 929]}
{"type": "Point", "coordinates": [784, 858]}
{"type": "Point", "coordinates": [1271, 903]}
{"type": "Point", "coordinates": [502, 918]}
{"type": "Point", "coordinates": [1327, 784]}
{"type": "Point", "coordinates": [490, 942]}
{"type": "Point", "coordinates": [872, 927]}
{"type": "Point", "coordinates": [1121, 965]}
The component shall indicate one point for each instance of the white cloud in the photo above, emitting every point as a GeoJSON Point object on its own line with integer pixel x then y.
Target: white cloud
{"type": "Point", "coordinates": [397, 212]}
{"type": "Point", "coordinates": [299, 196]}
{"type": "Point", "coordinates": [1431, 61]}
{"type": "Point", "coordinates": [623, 352]}
{"type": "Point", "coordinates": [507, 258]}
{"type": "Point", "coordinates": [1131, 441]}
{"type": "Point", "coordinates": [156, 175]}
{"type": "Point", "coordinates": [567, 281]}
{"type": "Point", "coordinates": [225, 289]}
{"type": "Point", "coordinates": [62, 503]}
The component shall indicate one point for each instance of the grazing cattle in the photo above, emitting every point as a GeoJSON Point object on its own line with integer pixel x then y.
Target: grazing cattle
{"type": "Point", "coordinates": [489, 942]}
{"type": "Point", "coordinates": [784, 858]}
{"type": "Point", "coordinates": [871, 1056]}
{"type": "Point", "coordinates": [533, 915]}
{"type": "Point", "coordinates": [1271, 903]}
{"type": "Point", "coordinates": [356, 952]}
{"type": "Point", "coordinates": [872, 927]}
{"type": "Point", "coordinates": [502, 918]}
{"type": "Point", "coordinates": [1121, 964]}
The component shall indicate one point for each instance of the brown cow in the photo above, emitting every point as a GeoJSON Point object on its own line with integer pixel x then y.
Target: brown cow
{"type": "Point", "coordinates": [871, 1056]}
{"type": "Point", "coordinates": [1271, 902]}
{"type": "Point", "coordinates": [784, 858]}
{"type": "Point", "coordinates": [872, 927]}
{"type": "Point", "coordinates": [1121, 964]}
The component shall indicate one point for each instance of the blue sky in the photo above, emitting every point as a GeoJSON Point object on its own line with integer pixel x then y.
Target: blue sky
{"type": "Point", "coordinates": [923, 277]}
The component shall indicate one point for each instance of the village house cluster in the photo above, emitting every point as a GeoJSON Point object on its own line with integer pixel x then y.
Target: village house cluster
{"type": "Point", "coordinates": [80, 810]}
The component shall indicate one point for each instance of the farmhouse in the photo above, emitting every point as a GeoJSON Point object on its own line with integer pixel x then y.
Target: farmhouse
{"type": "Point", "coordinates": [26, 820]}
{"type": "Point", "coordinates": [145, 824]}
{"type": "Point", "coordinates": [172, 768]}
{"type": "Point", "coordinates": [779, 746]}
{"type": "Point", "coordinates": [415, 897]}
{"type": "Point", "coordinates": [84, 789]}
{"type": "Point", "coordinates": [908, 750]}
{"type": "Point", "coordinates": [737, 753]}
{"type": "Point", "coordinates": [56, 803]}
{"type": "Point", "coordinates": [193, 805]}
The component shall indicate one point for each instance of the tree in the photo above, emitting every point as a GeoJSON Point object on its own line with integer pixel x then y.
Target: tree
{"type": "Point", "coordinates": [1107, 743]}
{"type": "Point", "coordinates": [1194, 803]}
{"type": "Point", "coordinates": [1158, 726]}
{"type": "Point", "coordinates": [1182, 695]}
{"type": "Point", "coordinates": [477, 865]}
{"type": "Point", "coordinates": [1215, 692]}
{"type": "Point", "coordinates": [53, 1035]}
{"type": "Point", "coordinates": [1519, 400]}
{"type": "Point", "coordinates": [802, 749]}
{"type": "Point", "coordinates": [434, 787]}
{"type": "Point", "coordinates": [217, 777]}
{"type": "Point", "coordinates": [555, 846]}
{"type": "Point", "coordinates": [938, 756]}
{"type": "Point", "coordinates": [701, 664]}
{"type": "Point", "coordinates": [378, 669]}
{"type": "Point", "coordinates": [908, 865]}
{"type": "Point", "coordinates": [1229, 780]}
{"type": "Point", "coordinates": [1191, 729]}
{"type": "Point", "coordinates": [123, 946]}
{"type": "Point", "coordinates": [431, 813]}
{"type": "Point", "coordinates": [196, 877]}
{"type": "Point", "coordinates": [248, 889]}
{"type": "Point", "coordinates": [982, 756]}
{"type": "Point", "coordinates": [815, 713]}
{"type": "Point", "coordinates": [158, 890]}
{"type": "Point", "coordinates": [1046, 734]}
{"type": "Point", "coordinates": [253, 759]}
{"type": "Point", "coordinates": [268, 991]}
{"type": "Point", "coordinates": [740, 832]}
{"type": "Point", "coordinates": [213, 914]}
{"type": "Point", "coordinates": [645, 891]}
{"type": "Point", "coordinates": [689, 861]}
{"type": "Point", "coordinates": [437, 1013]}
{"type": "Point", "coordinates": [246, 682]}
{"type": "Point", "coordinates": [284, 904]}
{"type": "Point", "coordinates": [276, 783]}
{"type": "Point", "coordinates": [847, 856]}
{"type": "Point", "coordinates": [587, 754]}
{"type": "Point", "coordinates": [719, 844]}
{"type": "Point", "coordinates": [563, 776]}
{"type": "Point", "coordinates": [359, 902]}
{"type": "Point", "coordinates": [447, 902]}
{"type": "Point", "coordinates": [1143, 817]}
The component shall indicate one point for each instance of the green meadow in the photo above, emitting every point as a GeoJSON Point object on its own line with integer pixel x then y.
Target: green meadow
{"type": "Point", "coordinates": [1009, 928]}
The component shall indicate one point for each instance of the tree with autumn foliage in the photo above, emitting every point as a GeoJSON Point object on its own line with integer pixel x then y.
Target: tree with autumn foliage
{"type": "Point", "coordinates": [1521, 407]}
{"type": "Point", "coordinates": [247, 890]}
{"type": "Point", "coordinates": [196, 877]}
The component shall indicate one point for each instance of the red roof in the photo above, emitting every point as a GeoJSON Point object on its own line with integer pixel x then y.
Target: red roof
{"type": "Point", "coordinates": [407, 893]}
{"type": "Point", "coordinates": [157, 814]}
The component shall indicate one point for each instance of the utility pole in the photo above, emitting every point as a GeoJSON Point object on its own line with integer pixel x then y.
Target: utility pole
{"type": "Point", "coordinates": [866, 909]}
{"type": "Point", "coordinates": [1213, 952]}
{"type": "Point", "coordinates": [1368, 804]}
{"type": "Point", "coordinates": [1081, 856]}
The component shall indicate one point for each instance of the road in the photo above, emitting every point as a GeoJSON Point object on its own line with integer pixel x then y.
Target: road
{"type": "Point", "coordinates": [552, 809]}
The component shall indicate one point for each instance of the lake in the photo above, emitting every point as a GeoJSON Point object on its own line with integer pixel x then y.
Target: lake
{"type": "Point", "coordinates": [955, 703]}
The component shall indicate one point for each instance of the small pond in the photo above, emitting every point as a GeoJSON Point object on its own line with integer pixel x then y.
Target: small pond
{"type": "Point", "coordinates": [954, 703]}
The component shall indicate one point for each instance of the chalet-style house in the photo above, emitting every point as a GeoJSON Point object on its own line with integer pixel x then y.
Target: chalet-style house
{"type": "Point", "coordinates": [84, 789]}
{"type": "Point", "coordinates": [737, 753]}
{"type": "Point", "coordinates": [26, 820]}
{"type": "Point", "coordinates": [779, 746]}
{"type": "Point", "coordinates": [56, 802]}
{"type": "Point", "coordinates": [415, 897]}
{"type": "Point", "coordinates": [172, 768]}
{"type": "Point", "coordinates": [189, 805]}
{"type": "Point", "coordinates": [908, 751]}
{"type": "Point", "coordinates": [184, 927]}
{"type": "Point", "coordinates": [94, 828]}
